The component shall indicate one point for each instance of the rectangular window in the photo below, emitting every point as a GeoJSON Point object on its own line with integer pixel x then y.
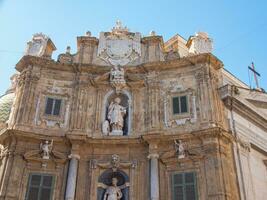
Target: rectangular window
{"type": "Point", "coordinates": [53, 106]}
{"type": "Point", "coordinates": [179, 105]}
{"type": "Point", "coordinates": [184, 186]}
{"type": "Point", "coordinates": [40, 187]}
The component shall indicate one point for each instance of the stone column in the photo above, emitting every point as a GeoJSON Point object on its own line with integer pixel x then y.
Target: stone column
{"type": "Point", "coordinates": [72, 177]}
{"type": "Point", "coordinates": [154, 176]}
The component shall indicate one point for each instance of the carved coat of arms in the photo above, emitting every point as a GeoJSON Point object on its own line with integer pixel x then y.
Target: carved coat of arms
{"type": "Point", "coordinates": [119, 47]}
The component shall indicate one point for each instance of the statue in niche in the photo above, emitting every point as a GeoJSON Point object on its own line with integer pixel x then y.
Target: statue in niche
{"type": "Point", "coordinates": [113, 192]}
{"type": "Point", "coordinates": [113, 185]}
{"type": "Point", "coordinates": [116, 119]}
{"type": "Point", "coordinates": [46, 149]}
{"type": "Point", "coordinates": [115, 116]}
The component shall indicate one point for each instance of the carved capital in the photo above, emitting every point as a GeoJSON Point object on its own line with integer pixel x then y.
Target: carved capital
{"type": "Point", "coordinates": [75, 156]}
{"type": "Point", "coordinates": [153, 156]}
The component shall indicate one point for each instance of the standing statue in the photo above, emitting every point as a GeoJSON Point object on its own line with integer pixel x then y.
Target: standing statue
{"type": "Point", "coordinates": [113, 192]}
{"type": "Point", "coordinates": [179, 149]}
{"type": "Point", "coordinates": [116, 112]}
{"type": "Point", "coordinates": [46, 149]}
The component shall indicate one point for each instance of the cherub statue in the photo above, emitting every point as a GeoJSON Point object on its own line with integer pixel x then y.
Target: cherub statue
{"type": "Point", "coordinates": [113, 192]}
{"type": "Point", "coordinates": [179, 149]}
{"type": "Point", "coordinates": [46, 149]}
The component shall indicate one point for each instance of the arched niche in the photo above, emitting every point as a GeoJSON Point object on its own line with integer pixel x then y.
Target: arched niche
{"type": "Point", "coordinates": [106, 177]}
{"type": "Point", "coordinates": [126, 100]}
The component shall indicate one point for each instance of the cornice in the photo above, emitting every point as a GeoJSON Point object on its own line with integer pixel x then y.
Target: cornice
{"type": "Point", "coordinates": [246, 112]}
{"type": "Point", "coordinates": [25, 61]}
{"type": "Point", "coordinates": [146, 138]}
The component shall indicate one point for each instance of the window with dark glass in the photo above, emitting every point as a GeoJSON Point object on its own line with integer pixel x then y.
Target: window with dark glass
{"type": "Point", "coordinates": [179, 105]}
{"type": "Point", "coordinates": [53, 106]}
{"type": "Point", "coordinates": [184, 186]}
{"type": "Point", "coordinates": [40, 187]}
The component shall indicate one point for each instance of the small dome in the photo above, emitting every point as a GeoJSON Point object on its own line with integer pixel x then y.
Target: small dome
{"type": "Point", "coordinates": [6, 102]}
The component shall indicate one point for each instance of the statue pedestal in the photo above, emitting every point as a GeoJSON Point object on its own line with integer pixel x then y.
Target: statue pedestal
{"type": "Point", "coordinates": [116, 132]}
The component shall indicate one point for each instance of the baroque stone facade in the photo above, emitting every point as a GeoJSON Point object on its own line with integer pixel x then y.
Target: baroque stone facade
{"type": "Point", "coordinates": [130, 117]}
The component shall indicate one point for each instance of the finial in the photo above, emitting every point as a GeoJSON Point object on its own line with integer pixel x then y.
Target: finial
{"type": "Point", "coordinates": [118, 28]}
{"type": "Point", "coordinates": [88, 33]}
{"type": "Point", "coordinates": [118, 24]}
{"type": "Point", "coordinates": [152, 33]}
{"type": "Point", "coordinates": [68, 50]}
{"type": "Point", "coordinates": [202, 34]}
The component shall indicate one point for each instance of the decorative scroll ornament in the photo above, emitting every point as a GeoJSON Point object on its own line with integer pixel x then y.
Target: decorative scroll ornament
{"type": "Point", "coordinates": [119, 47]}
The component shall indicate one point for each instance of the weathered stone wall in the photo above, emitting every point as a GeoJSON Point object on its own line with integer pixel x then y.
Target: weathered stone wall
{"type": "Point", "coordinates": [84, 89]}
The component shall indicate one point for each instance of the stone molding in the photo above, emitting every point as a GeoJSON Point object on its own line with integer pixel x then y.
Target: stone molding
{"type": "Point", "coordinates": [25, 61]}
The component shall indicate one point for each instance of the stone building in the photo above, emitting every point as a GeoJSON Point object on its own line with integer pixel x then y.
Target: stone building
{"type": "Point", "coordinates": [131, 117]}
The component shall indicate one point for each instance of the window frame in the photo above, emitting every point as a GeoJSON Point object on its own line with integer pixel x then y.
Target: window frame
{"type": "Point", "coordinates": [53, 106]}
{"type": "Point", "coordinates": [40, 187]}
{"type": "Point", "coordinates": [181, 114]}
{"type": "Point", "coordinates": [179, 100]}
{"type": "Point", "coordinates": [184, 184]}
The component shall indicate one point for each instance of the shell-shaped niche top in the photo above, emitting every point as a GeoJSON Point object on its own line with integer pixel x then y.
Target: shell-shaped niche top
{"type": "Point", "coordinates": [119, 47]}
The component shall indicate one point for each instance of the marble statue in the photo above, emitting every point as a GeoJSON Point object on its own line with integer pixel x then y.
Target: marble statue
{"type": "Point", "coordinates": [179, 149]}
{"type": "Point", "coordinates": [46, 149]}
{"type": "Point", "coordinates": [116, 112]}
{"type": "Point", "coordinates": [113, 192]}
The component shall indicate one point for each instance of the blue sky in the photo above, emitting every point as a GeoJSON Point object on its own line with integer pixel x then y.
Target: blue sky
{"type": "Point", "coordinates": [238, 28]}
